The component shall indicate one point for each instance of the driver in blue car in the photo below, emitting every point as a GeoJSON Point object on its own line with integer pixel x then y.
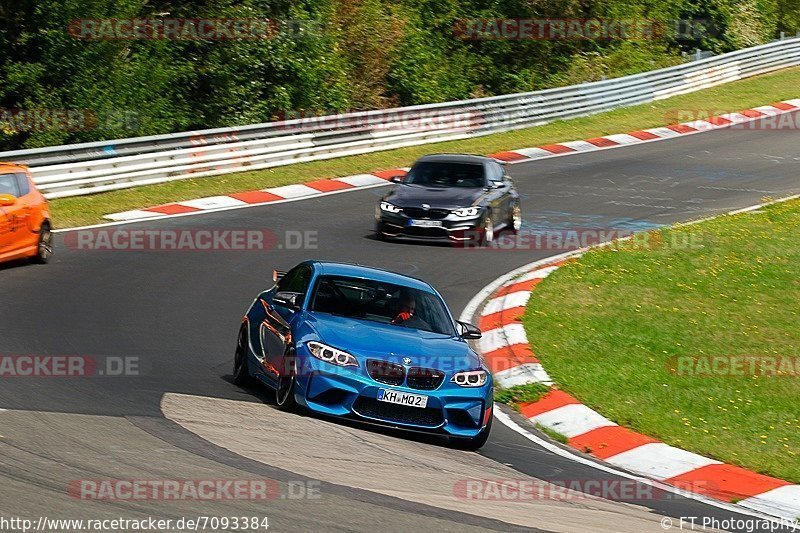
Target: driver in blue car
{"type": "Point", "coordinates": [406, 309]}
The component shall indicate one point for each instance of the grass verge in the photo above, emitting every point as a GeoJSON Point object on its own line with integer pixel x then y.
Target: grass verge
{"type": "Point", "coordinates": [515, 396]}
{"type": "Point", "coordinates": [633, 333]}
{"type": "Point", "coordinates": [82, 210]}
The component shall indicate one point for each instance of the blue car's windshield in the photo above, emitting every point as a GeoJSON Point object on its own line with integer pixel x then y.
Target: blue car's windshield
{"type": "Point", "coordinates": [381, 302]}
{"type": "Point", "coordinates": [441, 174]}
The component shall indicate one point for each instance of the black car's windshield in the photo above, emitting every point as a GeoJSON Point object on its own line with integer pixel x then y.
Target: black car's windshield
{"type": "Point", "coordinates": [381, 302]}
{"type": "Point", "coordinates": [443, 174]}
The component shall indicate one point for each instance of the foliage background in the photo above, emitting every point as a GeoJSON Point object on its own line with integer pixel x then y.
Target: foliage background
{"type": "Point", "coordinates": [364, 54]}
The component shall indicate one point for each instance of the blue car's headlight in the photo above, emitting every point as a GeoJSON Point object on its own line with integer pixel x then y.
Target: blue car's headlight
{"type": "Point", "coordinates": [332, 355]}
{"type": "Point", "coordinates": [386, 206]}
{"type": "Point", "coordinates": [472, 378]}
{"type": "Point", "coordinates": [466, 212]}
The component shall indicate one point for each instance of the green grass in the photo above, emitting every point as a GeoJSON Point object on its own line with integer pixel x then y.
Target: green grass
{"type": "Point", "coordinates": [514, 396]}
{"type": "Point", "coordinates": [552, 433]}
{"type": "Point", "coordinates": [609, 327]}
{"type": "Point", "coordinates": [735, 96]}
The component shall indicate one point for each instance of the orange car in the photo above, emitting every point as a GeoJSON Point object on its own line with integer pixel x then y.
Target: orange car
{"type": "Point", "coordinates": [24, 216]}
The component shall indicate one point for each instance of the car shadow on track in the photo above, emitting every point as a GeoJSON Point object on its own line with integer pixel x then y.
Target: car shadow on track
{"type": "Point", "coordinates": [17, 263]}
{"type": "Point", "coordinates": [267, 396]}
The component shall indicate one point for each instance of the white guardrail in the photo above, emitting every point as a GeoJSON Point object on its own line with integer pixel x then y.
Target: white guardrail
{"type": "Point", "coordinates": [88, 168]}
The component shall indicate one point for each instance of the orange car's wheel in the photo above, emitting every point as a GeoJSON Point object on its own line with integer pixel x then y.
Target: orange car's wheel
{"type": "Point", "coordinates": [44, 248]}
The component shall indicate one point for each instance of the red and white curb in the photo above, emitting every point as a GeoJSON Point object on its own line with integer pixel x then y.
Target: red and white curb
{"type": "Point", "coordinates": [376, 179]}
{"type": "Point", "coordinates": [768, 114]}
{"type": "Point", "coordinates": [264, 196]}
{"type": "Point", "coordinates": [509, 356]}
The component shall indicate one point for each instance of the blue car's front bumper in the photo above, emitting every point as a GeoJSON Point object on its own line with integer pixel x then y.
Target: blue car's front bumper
{"type": "Point", "coordinates": [350, 392]}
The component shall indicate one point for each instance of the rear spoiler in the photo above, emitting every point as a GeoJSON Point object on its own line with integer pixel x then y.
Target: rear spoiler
{"type": "Point", "coordinates": [277, 275]}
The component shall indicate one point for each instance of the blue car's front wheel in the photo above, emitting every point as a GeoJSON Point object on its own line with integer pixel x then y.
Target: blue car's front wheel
{"type": "Point", "coordinates": [284, 393]}
{"type": "Point", "coordinates": [241, 376]}
{"type": "Point", "coordinates": [475, 442]}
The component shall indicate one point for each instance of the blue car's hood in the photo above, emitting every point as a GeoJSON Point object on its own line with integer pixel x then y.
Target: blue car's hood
{"type": "Point", "coordinates": [367, 339]}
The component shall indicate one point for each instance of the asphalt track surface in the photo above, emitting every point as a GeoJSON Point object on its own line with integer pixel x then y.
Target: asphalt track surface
{"type": "Point", "coordinates": [178, 312]}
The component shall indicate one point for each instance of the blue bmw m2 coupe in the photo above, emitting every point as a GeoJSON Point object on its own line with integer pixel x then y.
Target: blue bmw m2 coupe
{"type": "Point", "coordinates": [363, 343]}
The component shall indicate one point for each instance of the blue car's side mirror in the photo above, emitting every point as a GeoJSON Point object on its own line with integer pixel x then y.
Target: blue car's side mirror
{"type": "Point", "coordinates": [468, 331]}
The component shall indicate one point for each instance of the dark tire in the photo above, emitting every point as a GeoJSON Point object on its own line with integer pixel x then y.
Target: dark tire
{"type": "Point", "coordinates": [241, 376]}
{"type": "Point", "coordinates": [476, 442]}
{"type": "Point", "coordinates": [44, 248]}
{"type": "Point", "coordinates": [379, 234]}
{"type": "Point", "coordinates": [284, 393]}
{"type": "Point", "coordinates": [514, 218]}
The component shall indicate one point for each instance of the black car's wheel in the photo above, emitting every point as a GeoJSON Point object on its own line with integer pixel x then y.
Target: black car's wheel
{"type": "Point", "coordinates": [44, 249]}
{"type": "Point", "coordinates": [379, 234]}
{"type": "Point", "coordinates": [487, 230]}
{"type": "Point", "coordinates": [476, 442]}
{"type": "Point", "coordinates": [514, 221]}
{"type": "Point", "coordinates": [241, 376]}
{"type": "Point", "coordinates": [284, 393]}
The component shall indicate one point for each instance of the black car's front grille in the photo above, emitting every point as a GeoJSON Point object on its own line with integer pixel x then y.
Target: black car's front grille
{"type": "Point", "coordinates": [389, 412]}
{"type": "Point", "coordinates": [386, 372]}
{"type": "Point", "coordinates": [430, 233]}
{"type": "Point", "coordinates": [424, 378]}
{"type": "Point", "coordinates": [418, 212]}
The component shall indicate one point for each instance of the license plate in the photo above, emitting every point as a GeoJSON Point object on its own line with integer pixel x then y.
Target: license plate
{"type": "Point", "coordinates": [425, 223]}
{"type": "Point", "coordinates": [402, 398]}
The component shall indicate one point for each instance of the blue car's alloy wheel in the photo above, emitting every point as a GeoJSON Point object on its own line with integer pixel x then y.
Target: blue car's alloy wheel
{"type": "Point", "coordinates": [284, 393]}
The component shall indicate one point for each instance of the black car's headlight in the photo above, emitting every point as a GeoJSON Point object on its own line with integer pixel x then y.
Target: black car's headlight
{"type": "Point", "coordinates": [389, 208]}
{"type": "Point", "coordinates": [332, 355]}
{"type": "Point", "coordinates": [471, 378]}
{"type": "Point", "coordinates": [466, 212]}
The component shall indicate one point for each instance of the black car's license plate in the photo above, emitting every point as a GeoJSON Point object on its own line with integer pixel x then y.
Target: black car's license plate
{"type": "Point", "coordinates": [425, 223]}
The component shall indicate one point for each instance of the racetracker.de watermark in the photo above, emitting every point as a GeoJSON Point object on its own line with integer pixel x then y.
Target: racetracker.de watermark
{"type": "Point", "coordinates": [190, 29]}
{"type": "Point", "coordinates": [589, 29]}
{"type": "Point", "coordinates": [210, 240]}
{"type": "Point", "coordinates": [522, 490]}
{"type": "Point", "coordinates": [734, 365]}
{"type": "Point", "coordinates": [192, 489]}
{"type": "Point", "coordinates": [41, 120]}
{"type": "Point", "coordinates": [69, 366]}
{"type": "Point", "coordinates": [383, 120]}
{"type": "Point", "coordinates": [563, 240]}
{"type": "Point", "coordinates": [752, 120]}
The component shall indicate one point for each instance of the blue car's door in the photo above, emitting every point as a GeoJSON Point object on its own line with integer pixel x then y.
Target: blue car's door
{"type": "Point", "coordinates": [282, 308]}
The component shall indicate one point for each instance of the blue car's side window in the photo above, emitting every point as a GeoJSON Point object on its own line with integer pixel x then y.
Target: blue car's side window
{"type": "Point", "coordinates": [296, 280]}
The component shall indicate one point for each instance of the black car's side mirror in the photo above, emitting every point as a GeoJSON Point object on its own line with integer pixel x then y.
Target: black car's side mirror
{"type": "Point", "coordinates": [397, 179]}
{"type": "Point", "coordinates": [290, 300]}
{"type": "Point", "coordinates": [468, 331]}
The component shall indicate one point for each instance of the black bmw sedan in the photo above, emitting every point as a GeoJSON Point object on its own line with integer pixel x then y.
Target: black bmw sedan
{"type": "Point", "coordinates": [450, 197]}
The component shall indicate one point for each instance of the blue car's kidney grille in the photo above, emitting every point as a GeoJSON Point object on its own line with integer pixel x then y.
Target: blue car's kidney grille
{"type": "Point", "coordinates": [386, 372]}
{"type": "Point", "coordinates": [424, 378]}
{"type": "Point", "coordinates": [403, 414]}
